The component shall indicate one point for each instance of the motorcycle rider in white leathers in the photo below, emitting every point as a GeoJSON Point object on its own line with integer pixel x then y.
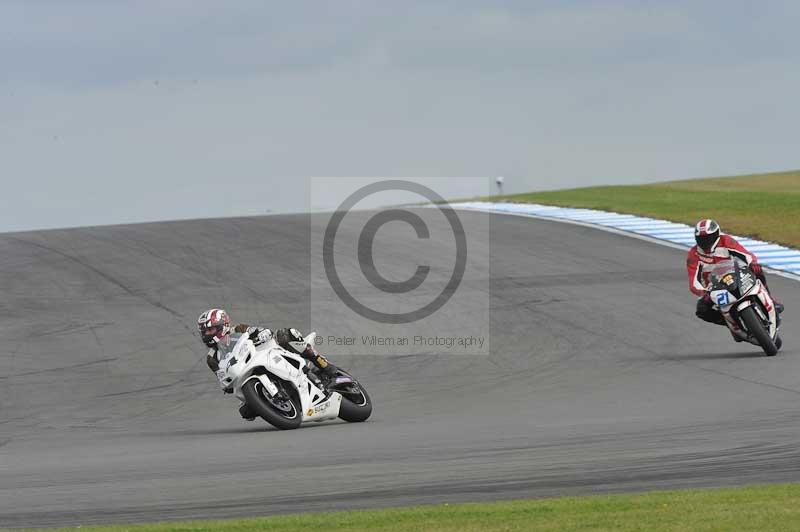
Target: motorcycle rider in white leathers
{"type": "Point", "coordinates": [215, 329]}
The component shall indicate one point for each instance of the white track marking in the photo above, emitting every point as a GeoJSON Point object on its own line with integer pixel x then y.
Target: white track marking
{"type": "Point", "coordinates": [777, 259]}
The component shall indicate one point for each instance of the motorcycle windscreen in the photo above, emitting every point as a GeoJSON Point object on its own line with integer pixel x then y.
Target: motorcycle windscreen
{"type": "Point", "coordinates": [226, 345]}
{"type": "Point", "coordinates": [721, 269]}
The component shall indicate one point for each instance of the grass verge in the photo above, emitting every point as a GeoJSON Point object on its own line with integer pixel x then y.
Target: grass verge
{"type": "Point", "coordinates": [763, 206]}
{"type": "Point", "coordinates": [758, 508]}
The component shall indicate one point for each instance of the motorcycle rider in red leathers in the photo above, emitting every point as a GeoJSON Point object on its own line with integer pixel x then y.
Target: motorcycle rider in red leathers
{"type": "Point", "coordinates": [712, 248]}
{"type": "Point", "coordinates": [215, 329]}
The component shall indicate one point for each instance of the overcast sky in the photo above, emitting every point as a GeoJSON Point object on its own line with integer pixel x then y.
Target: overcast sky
{"type": "Point", "coordinates": [115, 111]}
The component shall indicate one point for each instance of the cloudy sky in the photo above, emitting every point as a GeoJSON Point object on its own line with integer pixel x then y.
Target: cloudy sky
{"type": "Point", "coordinates": [118, 111]}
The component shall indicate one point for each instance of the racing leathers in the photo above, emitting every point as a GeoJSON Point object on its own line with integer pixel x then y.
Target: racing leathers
{"type": "Point", "coordinates": [698, 264]}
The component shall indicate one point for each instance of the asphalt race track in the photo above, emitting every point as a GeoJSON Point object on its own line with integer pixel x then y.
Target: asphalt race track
{"type": "Point", "coordinates": [600, 379]}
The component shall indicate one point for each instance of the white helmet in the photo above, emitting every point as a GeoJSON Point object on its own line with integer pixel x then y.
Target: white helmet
{"type": "Point", "coordinates": [706, 234]}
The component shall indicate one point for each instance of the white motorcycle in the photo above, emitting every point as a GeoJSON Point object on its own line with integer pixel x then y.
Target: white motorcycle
{"type": "Point", "coordinates": [282, 388]}
{"type": "Point", "coordinates": [746, 305]}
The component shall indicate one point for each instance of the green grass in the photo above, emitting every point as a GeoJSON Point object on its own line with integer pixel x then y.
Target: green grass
{"type": "Point", "coordinates": [763, 206]}
{"type": "Point", "coordinates": [761, 508]}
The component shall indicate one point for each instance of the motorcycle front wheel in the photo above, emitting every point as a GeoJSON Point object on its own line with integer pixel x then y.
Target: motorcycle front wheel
{"type": "Point", "coordinates": [757, 330]}
{"type": "Point", "coordinates": [282, 412]}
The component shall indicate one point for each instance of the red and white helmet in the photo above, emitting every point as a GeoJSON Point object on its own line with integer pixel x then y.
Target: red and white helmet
{"type": "Point", "coordinates": [214, 325]}
{"type": "Point", "coordinates": [706, 234]}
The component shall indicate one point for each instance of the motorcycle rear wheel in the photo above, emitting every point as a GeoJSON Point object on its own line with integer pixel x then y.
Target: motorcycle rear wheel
{"type": "Point", "coordinates": [757, 330]}
{"type": "Point", "coordinates": [284, 416]}
{"type": "Point", "coordinates": [356, 407]}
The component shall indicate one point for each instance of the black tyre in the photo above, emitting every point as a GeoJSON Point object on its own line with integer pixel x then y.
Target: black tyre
{"type": "Point", "coordinates": [757, 330]}
{"type": "Point", "coordinates": [356, 404]}
{"type": "Point", "coordinates": [283, 414]}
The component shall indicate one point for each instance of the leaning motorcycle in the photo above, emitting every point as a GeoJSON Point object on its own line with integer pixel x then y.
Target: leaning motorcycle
{"type": "Point", "coordinates": [746, 305]}
{"type": "Point", "coordinates": [282, 388]}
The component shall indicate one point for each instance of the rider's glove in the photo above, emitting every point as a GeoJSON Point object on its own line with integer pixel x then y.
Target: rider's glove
{"type": "Point", "coordinates": [260, 336]}
{"type": "Point", "coordinates": [756, 268]}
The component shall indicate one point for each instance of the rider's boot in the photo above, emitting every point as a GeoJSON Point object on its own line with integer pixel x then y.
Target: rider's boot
{"type": "Point", "coordinates": [247, 413]}
{"type": "Point", "coordinates": [286, 337]}
{"type": "Point", "coordinates": [326, 370]}
{"type": "Point", "coordinates": [778, 310]}
{"type": "Point", "coordinates": [778, 304]}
